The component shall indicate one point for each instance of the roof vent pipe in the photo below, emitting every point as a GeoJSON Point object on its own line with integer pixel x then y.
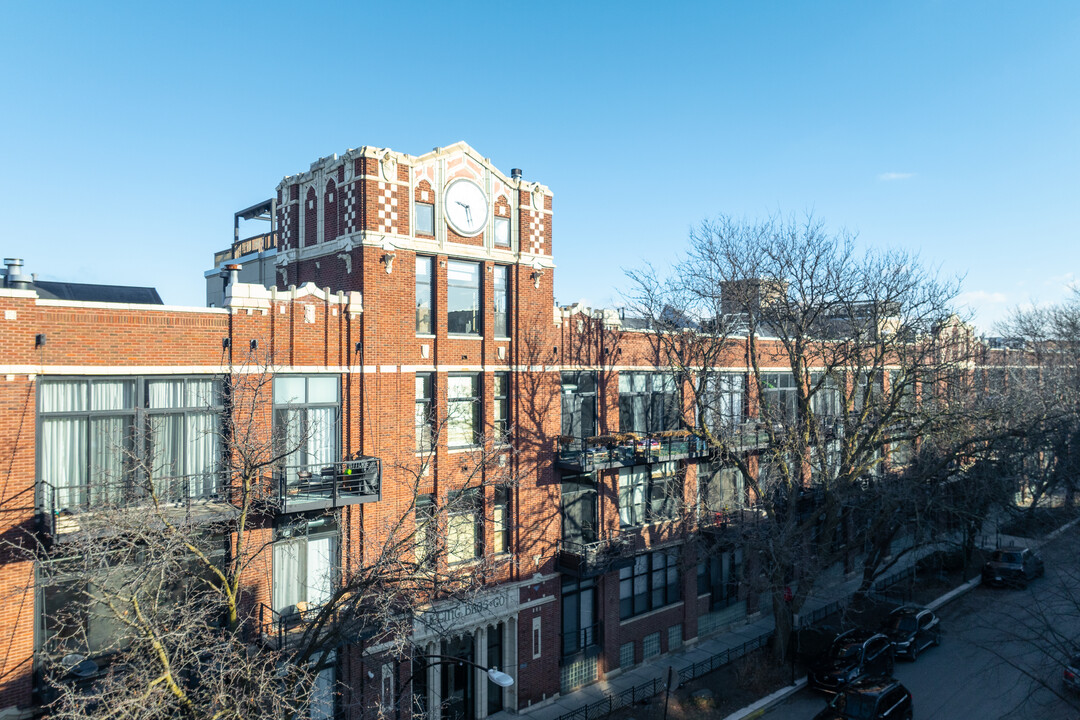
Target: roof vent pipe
{"type": "Point", "coordinates": [14, 277]}
{"type": "Point", "coordinates": [515, 173]}
{"type": "Point", "coordinates": [234, 273]}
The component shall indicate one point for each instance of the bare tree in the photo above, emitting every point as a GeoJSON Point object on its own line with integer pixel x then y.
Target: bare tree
{"type": "Point", "coordinates": [160, 595]}
{"type": "Point", "coordinates": [852, 359]}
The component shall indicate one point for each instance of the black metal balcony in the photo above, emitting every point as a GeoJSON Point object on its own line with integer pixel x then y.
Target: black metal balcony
{"type": "Point", "coordinates": [730, 525]}
{"type": "Point", "coordinates": [584, 455]}
{"type": "Point", "coordinates": [584, 641]}
{"type": "Point", "coordinates": [585, 560]}
{"type": "Point", "coordinates": [320, 487]}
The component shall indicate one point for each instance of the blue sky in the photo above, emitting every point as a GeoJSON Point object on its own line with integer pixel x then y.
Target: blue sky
{"type": "Point", "coordinates": [130, 133]}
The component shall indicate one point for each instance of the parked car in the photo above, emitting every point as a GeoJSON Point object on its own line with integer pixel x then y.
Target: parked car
{"type": "Point", "coordinates": [871, 698]}
{"type": "Point", "coordinates": [854, 654]}
{"type": "Point", "coordinates": [912, 629]}
{"type": "Point", "coordinates": [1071, 674]}
{"type": "Point", "coordinates": [1015, 566]}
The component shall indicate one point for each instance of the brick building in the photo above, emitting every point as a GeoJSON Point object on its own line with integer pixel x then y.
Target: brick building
{"type": "Point", "coordinates": [391, 292]}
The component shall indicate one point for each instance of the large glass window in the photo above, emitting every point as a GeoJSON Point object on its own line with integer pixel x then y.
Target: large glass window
{"type": "Point", "coordinates": [500, 520]}
{"type": "Point", "coordinates": [501, 408]}
{"type": "Point", "coordinates": [725, 406]}
{"type": "Point", "coordinates": [463, 298]}
{"type": "Point", "coordinates": [425, 295]}
{"type": "Point", "coordinates": [652, 582]}
{"type": "Point", "coordinates": [827, 401]}
{"type": "Point", "coordinates": [648, 402]}
{"type": "Point", "coordinates": [183, 437]}
{"type": "Point", "coordinates": [464, 526]}
{"type": "Point", "coordinates": [425, 411]}
{"type": "Point", "coordinates": [579, 404]}
{"type": "Point", "coordinates": [580, 625]}
{"type": "Point", "coordinates": [305, 564]}
{"type": "Point", "coordinates": [719, 577]}
{"type": "Point", "coordinates": [722, 487]}
{"type": "Point", "coordinates": [306, 421]}
{"type": "Point", "coordinates": [579, 516]}
{"type": "Point", "coordinates": [778, 397]}
{"type": "Point", "coordinates": [463, 408]}
{"type": "Point", "coordinates": [502, 301]}
{"type": "Point", "coordinates": [649, 493]}
{"type": "Point", "coordinates": [426, 548]}
{"type": "Point", "coordinates": [100, 438]}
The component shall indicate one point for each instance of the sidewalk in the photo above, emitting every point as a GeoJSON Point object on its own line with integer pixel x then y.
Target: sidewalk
{"type": "Point", "coordinates": [699, 652]}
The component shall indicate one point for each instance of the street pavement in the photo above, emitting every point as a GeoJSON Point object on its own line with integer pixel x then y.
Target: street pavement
{"type": "Point", "coordinates": [987, 666]}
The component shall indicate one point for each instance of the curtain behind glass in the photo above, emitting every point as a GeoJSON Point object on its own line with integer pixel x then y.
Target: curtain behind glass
{"type": "Point", "coordinates": [64, 461]}
{"type": "Point", "coordinates": [320, 569]}
{"type": "Point", "coordinates": [108, 458]}
{"type": "Point", "coordinates": [320, 440]}
{"type": "Point", "coordinates": [287, 585]}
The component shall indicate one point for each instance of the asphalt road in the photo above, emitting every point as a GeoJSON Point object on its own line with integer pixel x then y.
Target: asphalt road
{"type": "Point", "coordinates": [991, 660]}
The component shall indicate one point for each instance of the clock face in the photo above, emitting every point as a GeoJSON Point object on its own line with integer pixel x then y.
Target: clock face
{"type": "Point", "coordinates": [466, 207]}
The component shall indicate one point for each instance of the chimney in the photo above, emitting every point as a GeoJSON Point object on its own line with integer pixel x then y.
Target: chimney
{"type": "Point", "coordinates": [13, 276]}
{"type": "Point", "coordinates": [515, 173]}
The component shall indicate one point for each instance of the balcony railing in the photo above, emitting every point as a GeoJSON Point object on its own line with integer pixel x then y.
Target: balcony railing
{"type": "Point", "coordinates": [588, 640]}
{"type": "Point", "coordinates": [730, 524]}
{"type": "Point", "coordinates": [323, 486]}
{"type": "Point", "coordinates": [625, 449]}
{"type": "Point", "coordinates": [256, 243]}
{"type": "Point", "coordinates": [595, 558]}
{"type": "Point", "coordinates": [69, 510]}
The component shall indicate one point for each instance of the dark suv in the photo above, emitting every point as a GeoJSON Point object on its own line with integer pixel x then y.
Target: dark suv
{"type": "Point", "coordinates": [875, 698]}
{"type": "Point", "coordinates": [1012, 566]}
{"type": "Point", "coordinates": [854, 654]}
{"type": "Point", "coordinates": [911, 630]}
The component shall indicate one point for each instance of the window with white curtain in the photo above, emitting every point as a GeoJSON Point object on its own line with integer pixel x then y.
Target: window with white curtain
{"type": "Point", "coordinates": [305, 563]}
{"type": "Point", "coordinates": [114, 440]}
{"type": "Point", "coordinates": [464, 525]}
{"type": "Point", "coordinates": [463, 408]}
{"type": "Point", "coordinates": [306, 412]}
{"type": "Point", "coordinates": [182, 437]}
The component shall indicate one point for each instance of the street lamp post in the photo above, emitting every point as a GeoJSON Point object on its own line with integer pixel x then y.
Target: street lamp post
{"type": "Point", "coordinates": [496, 676]}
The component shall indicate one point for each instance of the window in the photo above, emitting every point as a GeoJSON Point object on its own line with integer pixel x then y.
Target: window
{"type": "Point", "coordinates": [502, 301]}
{"type": "Point", "coordinates": [827, 401]}
{"type": "Point", "coordinates": [725, 406]}
{"type": "Point", "coordinates": [579, 516]}
{"type": "Point", "coordinates": [425, 411]}
{"type": "Point", "coordinates": [182, 442]}
{"type": "Point", "coordinates": [650, 646]}
{"type": "Point", "coordinates": [305, 564]}
{"type": "Point", "coordinates": [649, 493]}
{"type": "Point", "coordinates": [95, 433]}
{"type": "Point", "coordinates": [580, 624]}
{"type": "Point", "coordinates": [425, 295]}
{"type": "Point", "coordinates": [462, 298]}
{"type": "Point", "coordinates": [306, 422]}
{"type": "Point", "coordinates": [425, 219]}
{"type": "Point", "coordinates": [579, 404]}
{"type": "Point", "coordinates": [464, 526]}
{"type": "Point", "coordinates": [463, 408]}
{"type": "Point", "coordinates": [778, 396]}
{"type": "Point", "coordinates": [73, 609]}
{"type": "Point", "coordinates": [425, 549]}
{"type": "Point", "coordinates": [501, 411]}
{"type": "Point", "coordinates": [719, 577]}
{"type": "Point", "coordinates": [652, 582]}
{"type": "Point", "coordinates": [502, 232]}
{"type": "Point", "coordinates": [648, 402]}
{"type": "Point", "coordinates": [500, 521]}
{"type": "Point", "coordinates": [722, 487]}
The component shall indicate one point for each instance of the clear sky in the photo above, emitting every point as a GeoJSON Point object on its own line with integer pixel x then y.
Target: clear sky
{"type": "Point", "coordinates": [130, 133]}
